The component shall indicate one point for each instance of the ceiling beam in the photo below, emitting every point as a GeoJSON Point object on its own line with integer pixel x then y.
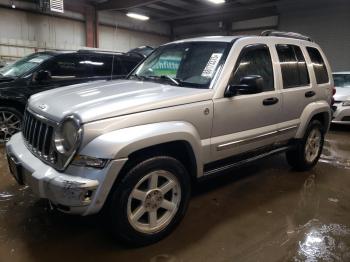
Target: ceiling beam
{"type": "Point", "coordinates": [125, 4]}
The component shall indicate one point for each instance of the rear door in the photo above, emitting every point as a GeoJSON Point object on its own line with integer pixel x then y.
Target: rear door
{"type": "Point", "coordinates": [100, 66]}
{"type": "Point", "coordinates": [297, 91]}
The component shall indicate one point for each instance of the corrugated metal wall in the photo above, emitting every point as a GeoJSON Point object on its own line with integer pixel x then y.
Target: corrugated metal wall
{"type": "Point", "coordinates": [22, 33]}
{"type": "Point", "coordinates": [114, 38]}
{"type": "Point", "coordinates": [329, 27]}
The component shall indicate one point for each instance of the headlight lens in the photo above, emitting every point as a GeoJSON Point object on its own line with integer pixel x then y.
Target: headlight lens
{"type": "Point", "coordinates": [67, 136]}
{"type": "Point", "coordinates": [346, 103]}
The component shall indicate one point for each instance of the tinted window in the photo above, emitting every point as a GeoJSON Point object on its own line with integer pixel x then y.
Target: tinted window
{"type": "Point", "coordinates": [101, 65]}
{"type": "Point", "coordinates": [123, 66]}
{"type": "Point", "coordinates": [293, 66]}
{"type": "Point", "coordinates": [254, 60]}
{"type": "Point", "coordinates": [68, 66]}
{"type": "Point", "coordinates": [319, 65]}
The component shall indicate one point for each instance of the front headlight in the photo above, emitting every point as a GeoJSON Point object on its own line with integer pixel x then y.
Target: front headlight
{"type": "Point", "coordinates": [346, 103]}
{"type": "Point", "coordinates": [67, 136]}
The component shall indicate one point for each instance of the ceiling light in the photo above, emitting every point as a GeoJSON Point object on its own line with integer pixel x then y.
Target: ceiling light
{"type": "Point", "coordinates": [137, 16]}
{"type": "Point", "coordinates": [217, 1]}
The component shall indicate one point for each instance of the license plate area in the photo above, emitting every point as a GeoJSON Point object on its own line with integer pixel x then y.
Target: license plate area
{"type": "Point", "coordinates": [15, 169]}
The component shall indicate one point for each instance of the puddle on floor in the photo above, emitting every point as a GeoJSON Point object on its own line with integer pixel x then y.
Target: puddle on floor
{"type": "Point", "coordinates": [323, 242]}
{"type": "Point", "coordinates": [336, 153]}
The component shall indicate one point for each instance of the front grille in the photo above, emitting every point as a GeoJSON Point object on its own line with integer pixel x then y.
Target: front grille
{"type": "Point", "coordinates": [38, 133]}
{"type": "Point", "coordinates": [346, 118]}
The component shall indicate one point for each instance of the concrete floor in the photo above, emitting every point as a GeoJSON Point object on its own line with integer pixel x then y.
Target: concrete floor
{"type": "Point", "coordinates": [262, 212]}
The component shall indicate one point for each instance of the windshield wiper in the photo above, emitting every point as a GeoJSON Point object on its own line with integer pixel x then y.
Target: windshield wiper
{"type": "Point", "coordinates": [137, 76]}
{"type": "Point", "coordinates": [175, 81]}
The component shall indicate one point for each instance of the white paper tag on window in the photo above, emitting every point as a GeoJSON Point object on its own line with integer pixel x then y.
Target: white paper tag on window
{"type": "Point", "coordinates": [36, 60]}
{"type": "Point", "coordinates": [211, 65]}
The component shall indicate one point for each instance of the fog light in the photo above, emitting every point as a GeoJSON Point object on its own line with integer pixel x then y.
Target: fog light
{"type": "Point", "coordinates": [86, 196]}
{"type": "Point", "coordinates": [89, 161]}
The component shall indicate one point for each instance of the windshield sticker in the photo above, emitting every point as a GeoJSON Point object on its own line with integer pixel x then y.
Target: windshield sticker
{"type": "Point", "coordinates": [167, 65]}
{"type": "Point", "coordinates": [211, 65]}
{"type": "Point", "coordinates": [36, 60]}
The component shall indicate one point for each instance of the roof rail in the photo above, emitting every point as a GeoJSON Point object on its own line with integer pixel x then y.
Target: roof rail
{"type": "Point", "coordinates": [286, 34]}
{"type": "Point", "coordinates": [87, 50]}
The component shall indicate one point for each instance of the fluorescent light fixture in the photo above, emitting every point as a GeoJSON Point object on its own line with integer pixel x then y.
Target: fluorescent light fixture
{"type": "Point", "coordinates": [137, 16]}
{"type": "Point", "coordinates": [217, 1]}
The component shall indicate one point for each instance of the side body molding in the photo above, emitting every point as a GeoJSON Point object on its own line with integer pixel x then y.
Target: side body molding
{"type": "Point", "coordinates": [121, 143]}
{"type": "Point", "coordinates": [309, 112]}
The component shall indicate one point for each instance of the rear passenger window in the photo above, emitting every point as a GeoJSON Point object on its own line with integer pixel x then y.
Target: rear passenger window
{"type": "Point", "coordinates": [68, 66]}
{"type": "Point", "coordinates": [293, 66]}
{"type": "Point", "coordinates": [319, 65]}
{"type": "Point", "coordinates": [254, 60]}
{"type": "Point", "coordinates": [101, 65]}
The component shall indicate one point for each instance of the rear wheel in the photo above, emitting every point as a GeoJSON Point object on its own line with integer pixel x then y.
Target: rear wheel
{"type": "Point", "coordinates": [308, 150]}
{"type": "Point", "coordinates": [10, 123]}
{"type": "Point", "coordinates": [150, 201]}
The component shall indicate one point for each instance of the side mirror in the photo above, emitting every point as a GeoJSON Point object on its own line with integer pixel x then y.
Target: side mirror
{"type": "Point", "coordinates": [248, 85]}
{"type": "Point", "coordinates": [42, 76]}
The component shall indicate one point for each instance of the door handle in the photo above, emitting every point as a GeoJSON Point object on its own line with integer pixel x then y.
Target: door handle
{"type": "Point", "coordinates": [270, 101]}
{"type": "Point", "coordinates": [310, 94]}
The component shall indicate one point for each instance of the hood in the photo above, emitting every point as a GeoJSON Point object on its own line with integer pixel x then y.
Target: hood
{"type": "Point", "coordinates": [6, 79]}
{"type": "Point", "coordinates": [98, 100]}
{"type": "Point", "coordinates": [342, 94]}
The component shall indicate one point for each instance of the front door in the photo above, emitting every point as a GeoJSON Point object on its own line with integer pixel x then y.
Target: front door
{"type": "Point", "coordinates": [247, 121]}
{"type": "Point", "coordinates": [63, 70]}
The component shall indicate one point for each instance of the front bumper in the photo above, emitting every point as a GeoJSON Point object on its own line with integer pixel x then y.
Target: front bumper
{"type": "Point", "coordinates": [80, 190]}
{"type": "Point", "coordinates": [341, 114]}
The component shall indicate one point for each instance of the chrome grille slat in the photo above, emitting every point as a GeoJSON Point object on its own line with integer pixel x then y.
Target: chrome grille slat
{"type": "Point", "coordinates": [32, 135]}
{"type": "Point", "coordinates": [25, 132]}
{"type": "Point", "coordinates": [38, 134]}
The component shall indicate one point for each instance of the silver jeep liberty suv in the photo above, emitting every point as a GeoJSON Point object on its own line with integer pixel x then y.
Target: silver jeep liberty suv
{"type": "Point", "coordinates": [193, 108]}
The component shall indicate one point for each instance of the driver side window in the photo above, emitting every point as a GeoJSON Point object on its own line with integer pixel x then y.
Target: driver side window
{"type": "Point", "coordinates": [254, 60]}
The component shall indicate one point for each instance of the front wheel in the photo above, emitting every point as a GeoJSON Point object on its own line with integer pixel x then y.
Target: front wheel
{"type": "Point", "coordinates": [150, 201]}
{"type": "Point", "coordinates": [308, 150]}
{"type": "Point", "coordinates": [10, 123]}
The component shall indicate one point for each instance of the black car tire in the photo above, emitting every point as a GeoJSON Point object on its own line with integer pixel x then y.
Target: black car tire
{"type": "Point", "coordinates": [297, 157]}
{"type": "Point", "coordinates": [118, 208]}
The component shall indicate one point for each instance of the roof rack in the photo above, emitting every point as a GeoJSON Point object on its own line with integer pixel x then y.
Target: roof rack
{"type": "Point", "coordinates": [97, 50]}
{"type": "Point", "coordinates": [286, 34]}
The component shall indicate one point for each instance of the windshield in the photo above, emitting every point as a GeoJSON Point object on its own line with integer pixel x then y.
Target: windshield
{"type": "Point", "coordinates": [342, 80]}
{"type": "Point", "coordinates": [24, 65]}
{"type": "Point", "coordinates": [184, 64]}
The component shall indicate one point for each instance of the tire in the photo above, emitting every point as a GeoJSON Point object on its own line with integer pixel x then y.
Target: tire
{"type": "Point", "coordinates": [131, 218]}
{"type": "Point", "coordinates": [10, 123]}
{"type": "Point", "coordinates": [300, 158]}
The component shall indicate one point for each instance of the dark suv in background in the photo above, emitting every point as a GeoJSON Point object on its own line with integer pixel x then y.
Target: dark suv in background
{"type": "Point", "coordinates": [47, 70]}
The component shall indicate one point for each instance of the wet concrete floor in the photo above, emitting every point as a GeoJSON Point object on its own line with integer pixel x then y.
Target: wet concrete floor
{"type": "Point", "coordinates": [261, 212]}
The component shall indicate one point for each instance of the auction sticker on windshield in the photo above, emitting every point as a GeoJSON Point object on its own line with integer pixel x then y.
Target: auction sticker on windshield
{"type": "Point", "coordinates": [211, 65]}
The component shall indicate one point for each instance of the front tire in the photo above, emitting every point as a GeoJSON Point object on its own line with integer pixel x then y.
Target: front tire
{"type": "Point", "coordinates": [10, 123]}
{"type": "Point", "coordinates": [308, 150]}
{"type": "Point", "coordinates": [150, 201]}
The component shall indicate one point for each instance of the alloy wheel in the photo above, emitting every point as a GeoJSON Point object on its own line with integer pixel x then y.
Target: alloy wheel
{"type": "Point", "coordinates": [313, 145]}
{"type": "Point", "coordinates": [10, 124]}
{"type": "Point", "coordinates": [154, 202]}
